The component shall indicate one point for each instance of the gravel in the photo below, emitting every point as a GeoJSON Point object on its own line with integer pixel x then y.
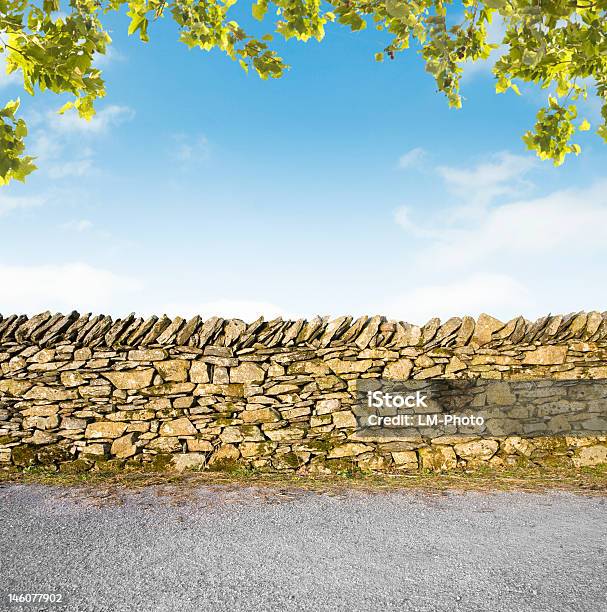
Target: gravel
{"type": "Point", "coordinates": [163, 549]}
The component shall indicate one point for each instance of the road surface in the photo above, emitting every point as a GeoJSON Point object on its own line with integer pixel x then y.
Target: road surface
{"type": "Point", "coordinates": [164, 549]}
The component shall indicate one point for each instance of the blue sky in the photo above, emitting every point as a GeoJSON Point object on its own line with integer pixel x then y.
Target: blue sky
{"type": "Point", "coordinates": [348, 186]}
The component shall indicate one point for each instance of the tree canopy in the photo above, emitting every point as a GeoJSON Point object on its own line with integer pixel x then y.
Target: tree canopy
{"type": "Point", "coordinates": [558, 45]}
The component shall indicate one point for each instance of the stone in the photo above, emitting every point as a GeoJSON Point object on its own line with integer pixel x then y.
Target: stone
{"type": "Point", "coordinates": [432, 372]}
{"type": "Point", "coordinates": [23, 455]}
{"type": "Point", "coordinates": [349, 449]}
{"type": "Point", "coordinates": [224, 456]}
{"type": "Point", "coordinates": [130, 379]}
{"type": "Point", "coordinates": [72, 379]}
{"type": "Point", "coordinates": [438, 458]}
{"type": "Point", "coordinates": [124, 446]}
{"type": "Point", "coordinates": [183, 402]}
{"type": "Point", "coordinates": [42, 411]}
{"type": "Point", "coordinates": [398, 370]}
{"type": "Point", "coordinates": [147, 355]}
{"type": "Point", "coordinates": [97, 388]}
{"type": "Point", "coordinates": [478, 450]}
{"type": "Point", "coordinates": [52, 394]}
{"type": "Point", "coordinates": [261, 415]}
{"type": "Point", "coordinates": [451, 440]}
{"type": "Point", "coordinates": [499, 393]}
{"type": "Point", "coordinates": [231, 390]}
{"type": "Point", "coordinates": [344, 418]}
{"type": "Point", "coordinates": [287, 434]}
{"type": "Point", "coordinates": [169, 388]}
{"type": "Point", "coordinates": [42, 437]}
{"type": "Point", "coordinates": [546, 355]}
{"type": "Point", "coordinates": [199, 372]}
{"type": "Point", "coordinates": [178, 427]}
{"type": "Point", "coordinates": [188, 461]}
{"type": "Point", "coordinates": [314, 367]}
{"type": "Point", "coordinates": [327, 406]}
{"type": "Point", "coordinates": [40, 422]}
{"type": "Point", "coordinates": [173, 370]}
{"type": "Point", "coordinates": [257, 449]}
{"type": "Point", "coordinates": [405, 459]}
{"type": "Point", "coordinates": [368, 333]}
{"type": "Point", "coordinates": [220, 376]}
{"type": "Point", "coordinates": [372, 464]}
{"type": "Point", "coordinates": [49, 455]}
{"type": "Point", "coordinates": [44, 356]}
{"type": "Point", "coordinates": [16, 388]}
{"type": "Point", "coordinates": [484, 328]}
{"type": "Point", "coordinates": [423, 361]}
{"type": "Point", "coordinates": [199, 446]}
{"type": "Point", "coordinates": [231, 435]}
{"type": "Point", "coordinates": [515, 445]}
{"type": "Point", "coordinates": [588, 456]}
{"type": "Point", "coordinates": [287, 461]}
{"type": "Point", "coordinates": [165, 444]}
{"type": "Point", "coordinates": [104, 429]}
{"type": "Point", "coordinates": [248, 373]}
{"type": "Point", "coordinates": [348, 366]}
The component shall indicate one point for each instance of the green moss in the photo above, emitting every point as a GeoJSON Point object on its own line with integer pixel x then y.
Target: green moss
{"type": "Point", "coordinates": [111, 466]}
{"type": "Point", "coordinates": [160, 462]}
{"type": "Point", "coordinates": [5, 439]}
{"type": "Point", "coordinates": [133, 462]}
{"type": "Point", "coordinates": [24, 455]}
{"type": "Point", "coordinates": [288, 460]}
{"type": "Point", "coordinates": [78, 466]}
{"type": "Point", "coordinates": [231, 466]}
{"type": "Point", "coordinates": [554, 461]}
{"type": "Point", "coordinates": [222, 421]}
{"type": "Point", "coordinates": [50, 455]}
{"type": "Point", "coordinates": [319, 446]}
{"type": "Point", "coordinates": [342, 467]}
{"type": "Point", "coordinates": [442, 351]}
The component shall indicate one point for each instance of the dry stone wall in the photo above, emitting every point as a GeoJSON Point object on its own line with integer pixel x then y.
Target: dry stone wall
{"type": "Point", "coordinates": [81, 392]}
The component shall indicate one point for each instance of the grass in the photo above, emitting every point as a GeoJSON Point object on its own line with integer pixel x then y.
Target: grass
{"type": "Point", "coordinates": [591, 481]}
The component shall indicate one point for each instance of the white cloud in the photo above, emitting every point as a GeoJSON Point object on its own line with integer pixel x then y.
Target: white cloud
{"type": "Point", "coordinates": [529, 228]}
{"type": "Point", "coordinates": [411, 158]}
{"type": "Point", "coordinates": [107, 117]}
{"type": "Point", "coordinates": [498, 294]}
{"type": "Point", "coordinates": [191, 148]}
{"type": "Point", "coordinates": [77, 167]}
{"type": "Point", "coordinates": [10, 203]}
{"type": "Point", "coordinates": [77, 226]}
{"type": "Point", "coordinates": [247, 310]}
{"type": "Point", "coordinates": [502, 175]}
{"type": "Point", "coordinates": [57, 141]}
{"type": "Point", "coordinates": [507, 256]}
{"type": "Point", "coordinates": [66, 287]}
{"type": "Point", "coordinates": [111, 55]}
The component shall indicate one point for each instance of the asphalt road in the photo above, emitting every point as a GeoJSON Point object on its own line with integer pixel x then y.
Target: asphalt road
{"type": "Point", "coordinates": [220, 549]}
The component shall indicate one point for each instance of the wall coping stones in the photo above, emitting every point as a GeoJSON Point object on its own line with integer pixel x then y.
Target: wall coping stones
{"type": "Point", "coordinates": [48, 330]}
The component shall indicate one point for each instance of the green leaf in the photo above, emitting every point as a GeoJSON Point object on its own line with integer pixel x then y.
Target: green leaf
{"type": "Point", "coordinates": [259, 10]}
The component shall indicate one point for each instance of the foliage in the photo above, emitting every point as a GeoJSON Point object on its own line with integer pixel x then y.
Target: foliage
{"type": "Point", "coordinates": [560, 45]}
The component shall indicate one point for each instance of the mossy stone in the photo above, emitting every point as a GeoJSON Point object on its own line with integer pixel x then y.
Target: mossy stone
{"type": "Point", "coordinates": [24, 455]}
{"type": "Point", "coordinates": [53, 454]}
{"type": "Point", "coordinates": [78, 466]}
{"type": "Point", "coordinates": [160, 462]}
{"type": "Point", "coordinates": [225, 465]}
